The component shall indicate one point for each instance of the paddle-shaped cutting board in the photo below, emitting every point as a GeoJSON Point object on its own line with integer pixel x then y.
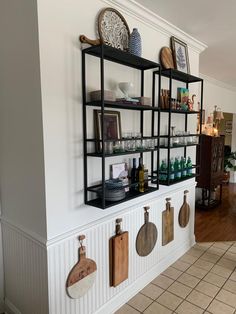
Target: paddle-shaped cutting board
{"type": "Point", "coordinates": [166, 57]}
{"type": "Point", "coordinates": [82, 275]}
{"type": "Point", "coordinates": [147, 236]}
{"type": "Point", "coordinates": [184, 212]}
{"type": "Point", "coordinates": [119, 255]}
{"type": "Point", "coordinates": [168, 223]}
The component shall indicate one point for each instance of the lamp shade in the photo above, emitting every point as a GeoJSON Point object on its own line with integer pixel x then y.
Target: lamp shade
{"type": "Point", "coordinates": [219, 115]}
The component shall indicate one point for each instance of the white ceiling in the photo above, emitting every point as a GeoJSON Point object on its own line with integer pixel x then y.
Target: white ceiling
{"type": "Point", "coordinates": [211, 21]}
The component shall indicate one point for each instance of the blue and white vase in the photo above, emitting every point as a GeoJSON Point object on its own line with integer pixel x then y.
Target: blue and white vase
{"type": "Point", "coordinates": [135, 43]}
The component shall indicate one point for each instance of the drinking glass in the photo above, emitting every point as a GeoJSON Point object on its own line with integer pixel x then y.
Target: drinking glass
{"type": "Point", "coordinates": [109, 148]}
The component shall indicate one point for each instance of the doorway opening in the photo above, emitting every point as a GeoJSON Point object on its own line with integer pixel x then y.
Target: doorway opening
{"type": "Point", "coordinates": [219, 223]}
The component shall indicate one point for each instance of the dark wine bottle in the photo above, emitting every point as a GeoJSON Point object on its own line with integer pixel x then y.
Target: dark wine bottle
{"type": "Point", "coordinates": [133, 176]}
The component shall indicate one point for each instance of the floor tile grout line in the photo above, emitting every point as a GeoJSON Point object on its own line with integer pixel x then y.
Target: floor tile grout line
{"type": "Point", "coordinates": [200, 279]}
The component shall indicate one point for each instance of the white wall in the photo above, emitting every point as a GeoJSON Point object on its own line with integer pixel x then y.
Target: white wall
{"type": "Point", "coordinates": [60, 24]}
{"type": "Point", "coordinates": [21, 141]}
{"type": "Point", "coordinates": [233, 144]}
{"type": "Point", "coordinates": [218, 93]}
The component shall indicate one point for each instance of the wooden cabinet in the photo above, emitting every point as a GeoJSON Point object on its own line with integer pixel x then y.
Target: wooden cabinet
{"type": "Point", "coordinates": [210, 156]}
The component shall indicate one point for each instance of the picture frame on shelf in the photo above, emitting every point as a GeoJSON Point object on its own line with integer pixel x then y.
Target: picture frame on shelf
{"type": "Point", "coordinates": [112, 126]}
{"type": "Point", "coordinates": [180, 55]}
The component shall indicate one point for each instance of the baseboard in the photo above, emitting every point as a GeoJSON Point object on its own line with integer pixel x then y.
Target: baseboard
{"type": "Point", "coordinates": [116, 302]}
{"type": "Point", "coordinates": [10, 308]}
{"type": "Point", "coordinates": [2, 306]}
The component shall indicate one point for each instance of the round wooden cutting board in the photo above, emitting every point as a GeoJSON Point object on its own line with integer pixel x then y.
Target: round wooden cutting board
{"type": "Point", "coordinates": [82, 275]}
{"type": "Point", "coordinates": [166, 58]}
{"type": "Point", "coordinates": [147, 236]}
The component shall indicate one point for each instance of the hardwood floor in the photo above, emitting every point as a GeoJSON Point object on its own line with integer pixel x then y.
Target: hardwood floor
{"type": "Point", "coordinates": [218, 224]}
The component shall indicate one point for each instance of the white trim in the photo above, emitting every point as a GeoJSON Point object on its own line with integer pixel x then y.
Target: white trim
{"type": "Point", "coordinates": [74, 232]}
{"type": "Point", "coordinates": [2, 307]}
{"type": "Point", "coordinates": [217, 82]}
{"type": "Point", "coordinates": [24, 232]}
{"type": "Point", "coordinates": [141, 13]}
{"type": "Point", "coordinates": [120, 299]}
{"type": "Point", "coordinates": [10, 308]}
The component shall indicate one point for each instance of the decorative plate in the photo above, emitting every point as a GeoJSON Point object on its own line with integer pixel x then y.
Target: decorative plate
{"type": "Point", "coordinates": [113, 29]}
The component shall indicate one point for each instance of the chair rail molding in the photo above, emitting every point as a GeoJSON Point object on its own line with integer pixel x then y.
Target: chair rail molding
{"type": "Point", "coordinates": [146, 16]}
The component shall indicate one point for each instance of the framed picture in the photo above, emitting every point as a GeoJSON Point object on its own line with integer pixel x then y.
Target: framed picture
{"type": "Point", "coordinates": [112, 126]}
{"type": "Point", "coordinates": [228, 127]}
{"type": "Point", "coordinates": [180, 55]}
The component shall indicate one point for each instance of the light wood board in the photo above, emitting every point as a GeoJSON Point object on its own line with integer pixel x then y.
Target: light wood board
{"type": "Point", "coordinates": [167, 226]}
{"type": "Point", "coordinates": [119, 255]}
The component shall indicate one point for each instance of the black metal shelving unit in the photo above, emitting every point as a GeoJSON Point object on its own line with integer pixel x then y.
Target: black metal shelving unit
{"type": "Point", "coordinates": [104, 52]}
{"type": "Point", "coordinates": [173, 74]}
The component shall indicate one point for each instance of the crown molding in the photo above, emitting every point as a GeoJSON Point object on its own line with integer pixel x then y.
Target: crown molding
{"type": "Point", "coordinates": [146, 16]}
{"type": "Point", "coordinates": [217, 82]}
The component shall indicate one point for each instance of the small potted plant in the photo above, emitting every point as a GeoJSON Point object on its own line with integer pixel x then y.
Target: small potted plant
{"type": "Point", "coordinates": [230, 167]}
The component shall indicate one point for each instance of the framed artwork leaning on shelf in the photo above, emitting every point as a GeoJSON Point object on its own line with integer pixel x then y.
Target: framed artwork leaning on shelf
{"type": "Point", "coordinates": [180, 55]}
{"type": "Point", "coordinates": [112, 126]}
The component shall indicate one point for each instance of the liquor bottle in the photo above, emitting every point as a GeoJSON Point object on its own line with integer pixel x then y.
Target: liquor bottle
{"type": "Point", "coordinates": [177, 168]}
{"type": "Point", "coordinates": [189, 167]}
{"type": "Point", "coordinates": [163, 171]}
{"type": "Point", "coordinates": [172, 170]}
{"type": "Point", "coordinates": [133, 176]}
{"type": "Point", "coordinates": [183, 167]}
{"type": "Point", "coordinates": [141, 179]}
{"type": "Point", "coordinates": [137, 172]}
{"type": "Point", "coordinates": [145, 179]}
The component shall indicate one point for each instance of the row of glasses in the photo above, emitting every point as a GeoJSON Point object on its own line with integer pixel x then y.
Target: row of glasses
{"type": "Point", "coordinates": [131, 142]}
{"type": "Point", "coordinates": [179, 138]}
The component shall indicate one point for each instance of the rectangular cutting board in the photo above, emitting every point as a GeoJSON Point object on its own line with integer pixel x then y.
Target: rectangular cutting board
{"type": "Point", "coordinates": [167, 225]}
{"type": "Point", "coordinates": [119, 258]}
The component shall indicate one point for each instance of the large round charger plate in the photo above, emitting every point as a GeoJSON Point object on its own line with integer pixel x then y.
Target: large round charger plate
{"type": "Point", "coordinates": [113, 29]}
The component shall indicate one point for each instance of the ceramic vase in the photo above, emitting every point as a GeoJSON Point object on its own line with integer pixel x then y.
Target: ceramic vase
{"type": "Point", "coordinates": [135, 44]}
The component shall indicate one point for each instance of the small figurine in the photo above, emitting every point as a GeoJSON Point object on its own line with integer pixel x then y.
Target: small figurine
{"type": "Point", "coordinates": [191, 103]}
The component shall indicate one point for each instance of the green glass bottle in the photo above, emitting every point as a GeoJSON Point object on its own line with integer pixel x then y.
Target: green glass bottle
{"type": "Point", "coordinates": [172, 170]}
{"type": "Point", "coordinates": [163, 171]}
{"type": "Point", "coordinates": [177, 168]}
{"type": "Point", "coordinates": [189, 167]}
{"type": "Point", "coordinates": [183, 167]}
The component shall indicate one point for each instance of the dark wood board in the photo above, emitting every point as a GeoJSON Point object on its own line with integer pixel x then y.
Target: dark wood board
{"type": "Point", "coordinates": [184, 213]}
{"type": "Point", "coordinates": [147, 236]}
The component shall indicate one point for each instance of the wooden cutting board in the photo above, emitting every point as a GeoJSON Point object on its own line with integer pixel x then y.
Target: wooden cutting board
{"type": "Point", "coordinates": [184, 213]}
{"type": "Point", "coordinates": [147, 236]}
{"type": "Point", "coordinates": [119, 255]}
{"type": "Point", "coordinates": [83, 274]}
{"type": "Point", "coordinates": [166, 58]}
{"type": "Point", "coordinates": [168, 223]}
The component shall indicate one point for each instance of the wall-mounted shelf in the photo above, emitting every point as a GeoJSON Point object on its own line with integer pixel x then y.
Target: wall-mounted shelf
{"type": "Point", "coordinates": [95, 195]}
{"type": "Point", "coordinates": [173, 74]}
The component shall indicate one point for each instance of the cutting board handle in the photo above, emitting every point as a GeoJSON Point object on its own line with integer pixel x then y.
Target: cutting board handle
{"type": "Point", "coordinates": [146, 214]}
{"type": "Point", "coordinates": [168, 199]}
{"type": "Point", "coordinates": [86, 40]}
{"type": "Point", "coordinates": [82, 249]}
{"type": "Point", "coordinates": [118, 226]}
{"type": "Point", "coordinates": [82, 253]}
{"type": "Point", "coordinates": [185, 195]}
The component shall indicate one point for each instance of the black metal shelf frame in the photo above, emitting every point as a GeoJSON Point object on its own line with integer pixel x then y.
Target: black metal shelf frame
{"type": "Point", "coordinates": [173, 74]}
{"type": "Point", "coordinates": [104, 52]}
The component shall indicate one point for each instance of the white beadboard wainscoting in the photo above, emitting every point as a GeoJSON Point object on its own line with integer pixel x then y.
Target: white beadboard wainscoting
{"type": "Point", "coordinates": [25, 271]}
{"type": "Point", "coordinates": [36, 272]}
{"type": "Point", "coordinates": [102, 298]}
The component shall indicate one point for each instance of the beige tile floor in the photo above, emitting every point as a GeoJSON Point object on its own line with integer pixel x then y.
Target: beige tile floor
{"type": "Point", "coordinates": [201, 281]}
